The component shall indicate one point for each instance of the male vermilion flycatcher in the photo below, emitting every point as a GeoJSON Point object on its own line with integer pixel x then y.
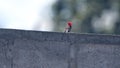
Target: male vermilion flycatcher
{"type": "Point", "coordinates": [69, 27]}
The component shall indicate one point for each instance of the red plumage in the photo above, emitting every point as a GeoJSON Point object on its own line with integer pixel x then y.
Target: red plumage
{"type": "Point", "coordinates": [69, 23]}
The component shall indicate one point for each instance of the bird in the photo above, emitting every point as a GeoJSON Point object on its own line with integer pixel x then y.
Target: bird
{"type": "Point", "coordinates": [69, 27]}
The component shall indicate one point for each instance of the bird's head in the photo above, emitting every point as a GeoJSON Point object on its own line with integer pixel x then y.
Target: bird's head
{"type": "Point", "coordinates": [69, 23]}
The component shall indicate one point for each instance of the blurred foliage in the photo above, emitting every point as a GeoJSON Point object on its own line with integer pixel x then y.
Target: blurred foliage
{"type": "Point", "coordinates": [83, 12]}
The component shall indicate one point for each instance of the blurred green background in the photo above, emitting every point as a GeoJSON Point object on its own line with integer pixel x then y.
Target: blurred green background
{"type": "Point", "coordinates": [88, 16]}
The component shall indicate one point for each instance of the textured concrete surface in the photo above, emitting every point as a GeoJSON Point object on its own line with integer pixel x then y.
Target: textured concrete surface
{"type": "Point", "coordinates": [35, 49]}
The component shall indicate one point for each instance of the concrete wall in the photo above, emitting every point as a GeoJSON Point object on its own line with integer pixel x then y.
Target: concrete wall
{"type": "Point", "coordinates": [33, 49]}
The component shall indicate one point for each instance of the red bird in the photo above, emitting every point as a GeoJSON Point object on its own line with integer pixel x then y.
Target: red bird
{"type": "Point", "coordinates": [69, 27]}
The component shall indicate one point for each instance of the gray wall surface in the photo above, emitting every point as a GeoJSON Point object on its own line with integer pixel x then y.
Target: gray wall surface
{"type": "Point", "coordinates": [35, 49]}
